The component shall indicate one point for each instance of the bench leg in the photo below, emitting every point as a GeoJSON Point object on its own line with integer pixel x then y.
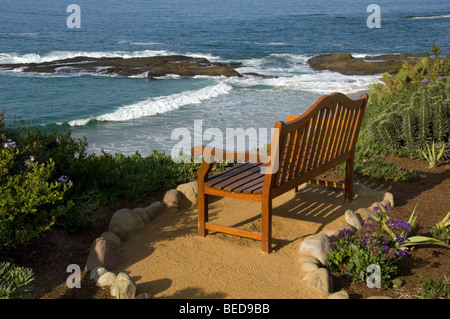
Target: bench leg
{"type": "Point", "coordinates": [202, 213]}
{"type": "Point", "coordinates": [266, 227]}
{"type": "Point", "coordinates": [349, 165]}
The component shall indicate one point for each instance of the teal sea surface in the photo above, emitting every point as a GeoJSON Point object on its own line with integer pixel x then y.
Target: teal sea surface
{"type": "Point", "coordinates": [273, 38]}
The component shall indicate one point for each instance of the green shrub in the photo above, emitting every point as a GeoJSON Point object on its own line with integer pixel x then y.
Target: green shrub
{"type": "Point", "coordinates": [412, 123]}
{"type": "Point", "coordinates": [30, 200]}
{"type": "Point", "coordinates": [14, 281]}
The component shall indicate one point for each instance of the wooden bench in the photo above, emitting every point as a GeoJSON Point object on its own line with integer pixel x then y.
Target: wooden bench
{"type": "Point", "coordinates": [301, 149]}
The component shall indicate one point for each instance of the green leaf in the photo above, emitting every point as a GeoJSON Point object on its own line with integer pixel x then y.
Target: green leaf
{"type": "Point", "coordinates": [423, 240]}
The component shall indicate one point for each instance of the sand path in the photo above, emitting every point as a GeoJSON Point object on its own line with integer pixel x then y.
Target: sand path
{"type": "Point", "coordinates": [168, 260]}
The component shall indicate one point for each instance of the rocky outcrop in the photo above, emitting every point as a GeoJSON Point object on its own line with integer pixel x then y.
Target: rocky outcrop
{"type": "Point", "coordinates": [345, 63]}
{"type": "Point", "coordinates": [153, 67]}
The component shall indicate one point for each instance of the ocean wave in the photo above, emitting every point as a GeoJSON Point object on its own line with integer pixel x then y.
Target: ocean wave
{"type": "Point", "coordinates": [431, 16]}
{"type": "Point", "coordinates": [325, 82]}
{"type": "Point", "coordinates": [158, 105]}
{"type": "Point", "coordinates": [20, 58]}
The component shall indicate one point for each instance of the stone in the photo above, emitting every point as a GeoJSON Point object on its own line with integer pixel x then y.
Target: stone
{"type": "Point", "coordinates": [112, 238]}
{"type": "Point", "coordinates": [190, 191]}
{"type": "Point", "coordinates": [317, 245]}
{"type": "Point", "coordinates": [332, 232]}
{"type": "Point", "coordinates": [154, 209]}
{"type": "Point", "coordinates": [107, 279]}
{"type": "Point", "coordinates": [101, 255]}
{"type": "Point", "coordinates": [306, 258]}
{"type": "Point", "coordinates": [352, 219]}
{"type": "Point", "coordinates": [345, 63]}
{"type": "Point", "coordinates": [123, 236]}
{"type": "Point", "coordinates": [140, 222]}
{"type": "Point", "coordinates": [321, 280]}
{"type": "Point", "coordinates": [342, 294]}
{"type": "Point", "coordinates": [141, 212]}
{"type": "Point", "coordinates": [96, 273]}
{"type": "Point", "coordinates": [123, 287]}
{"type": "Point", "coordinates": [124, 220]}
{"type": "Point", "coordinates": [172, 199]}
{"type": "Point", "coordinates": [389, 198]}
{"type": "Point", "coordinates": [309, 266]}
{"type": "Point", "coordinates": [366, 213]}
{"type": "Point", "coordinates": [152, 67]}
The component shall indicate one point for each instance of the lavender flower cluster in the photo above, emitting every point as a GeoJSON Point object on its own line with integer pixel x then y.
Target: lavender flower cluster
{"type": "Point", "coordinates": [10, 144]}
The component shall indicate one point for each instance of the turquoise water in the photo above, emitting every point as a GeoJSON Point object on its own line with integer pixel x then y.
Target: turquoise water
{"type": "Point", "coordinates": [125, 114]}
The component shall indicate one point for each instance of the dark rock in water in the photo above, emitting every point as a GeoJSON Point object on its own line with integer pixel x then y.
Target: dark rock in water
{"type": "Point", "coordinates": [152, 66]}
{"type": "Point", "coordinates": [345, 63]}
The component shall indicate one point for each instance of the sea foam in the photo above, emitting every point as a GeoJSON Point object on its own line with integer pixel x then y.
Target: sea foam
{"type": "Point", "coordinates": [158, 105]}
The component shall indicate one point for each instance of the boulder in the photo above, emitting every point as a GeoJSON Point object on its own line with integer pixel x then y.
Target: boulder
{"type": "Point", "coordinates": [190, 191]}
{"type": "Point", "coordinates": [142, 213]}
{"type": "Point", "coordinates": [107, 279]}
{"type": "Point", "coordinates": [345, 63]}
{"type": "Point", "coordinates": [97, 272]}
{"type": "Point", "coordinates": [321, 280]}
{"type": "Point", "coordinates": [306, 258]}
{"type": "Point", "coordinates": [352, 219]}
{"type": "Point", "coordinates": [153, 67]}
{"type": "Point", "coordinates": [123, 287]}
{"type": "Point", "coordinates": [154, 209]}
{"type": "Point", "coordinates": [112, 238]}
{"type": "Point", "coordinates": [173, 199]}
{"type": "Point", "coordinates": [126, 221]}
{"type": "Point", "coordinates": [101, 255]}
{"type": "Point", "coordinates": [342, 294]}
{"type": "Point", "coordinates": [317, 245]}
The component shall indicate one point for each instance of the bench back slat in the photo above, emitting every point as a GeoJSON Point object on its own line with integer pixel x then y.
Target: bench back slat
{"type": "Point", "coordinates": [328, 130]}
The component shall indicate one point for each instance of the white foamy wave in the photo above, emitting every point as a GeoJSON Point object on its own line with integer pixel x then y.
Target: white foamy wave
{"type": "Point", "coordinates": [19, 58]}
{"type": "Point", "coordinates": [316, 82]}
{"type": "Point", "coordinates": [158, 105]}
{"type": "Point", "coordinates": [437, 16]}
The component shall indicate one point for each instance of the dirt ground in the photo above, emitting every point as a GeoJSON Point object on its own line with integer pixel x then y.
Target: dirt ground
{"type": "Point", "coordinates": [168, 260]}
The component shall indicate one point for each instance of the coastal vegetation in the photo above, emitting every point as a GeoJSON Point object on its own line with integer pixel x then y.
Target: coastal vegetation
{"type": "Point", "coordinates": [48, 180]}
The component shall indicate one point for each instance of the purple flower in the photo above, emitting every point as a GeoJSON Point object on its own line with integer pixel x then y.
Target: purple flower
{"type": "Point", "coordinates": [398, 224]}
{"type": "Point", "coordinates": [441, 75]}
{"type": "Point", "coordinates": [402, 252]}
{"type": "Point", "coordinates": [401, 240]}
{"type": "Point", "coordinates": [346, 232]}
{"type": "Point", "coordinates": [29, 161]}
{"type": "Point", "coordinates": [9, 144]}
{"type": "Point", "coordinates": [425, 81]}
{"type": "Point", "coordinates": [65, 180]}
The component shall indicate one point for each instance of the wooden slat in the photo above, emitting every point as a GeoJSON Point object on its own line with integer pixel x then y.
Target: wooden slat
{"type": "Point", "coordinates": [334, 133]}
{"type": "Point", "coordinates": [219, 179]}
{"type": "Point", "coordinates": [251, 184]}
{"type": "Point", "coordinates": [244, 181]}
{"type": "Point", "coordinates": [223, 181]}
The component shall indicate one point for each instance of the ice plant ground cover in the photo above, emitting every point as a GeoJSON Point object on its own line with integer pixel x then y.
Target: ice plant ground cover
{"type": "Point", "coordinates": [382, 241]}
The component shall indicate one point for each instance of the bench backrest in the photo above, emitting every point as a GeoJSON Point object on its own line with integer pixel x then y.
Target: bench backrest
{"type": "Point", "coordinates": [310, 144]}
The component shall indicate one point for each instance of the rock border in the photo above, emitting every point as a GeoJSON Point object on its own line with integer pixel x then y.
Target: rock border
{"type": "Point", "coordinates": [313, 250]}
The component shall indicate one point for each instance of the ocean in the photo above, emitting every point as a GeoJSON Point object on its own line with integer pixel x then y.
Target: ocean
{"type": "Point", "coordinates": [119, 114]}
